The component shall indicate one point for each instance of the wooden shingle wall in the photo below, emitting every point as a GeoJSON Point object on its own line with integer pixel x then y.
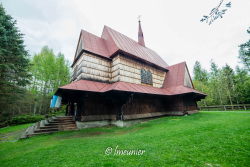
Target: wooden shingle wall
{"type": "Point", "coordinates": [119, 69]}
{"type": "Point", "coordinates": [128, 70]}
{"type": "Point", "coordinates": [93, 68]}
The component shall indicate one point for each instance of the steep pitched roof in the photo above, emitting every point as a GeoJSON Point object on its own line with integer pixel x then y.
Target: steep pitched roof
{"type": "Point", "coordinates": [176, 75]}
{"type": "Point", "coordinates": [93, 43]}
{"type": "Point", "coordinates": [112, 41]}
{"type": "Point", "coordinates": [132, 47]}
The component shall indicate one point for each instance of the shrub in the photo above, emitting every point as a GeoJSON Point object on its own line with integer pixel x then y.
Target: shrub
{"type": "Point", "coordinates": [22, 119]}
{"type": "Point", "coordinates": [57, 112]}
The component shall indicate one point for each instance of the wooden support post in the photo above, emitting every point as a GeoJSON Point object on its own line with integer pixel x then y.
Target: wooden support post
{"type": "Point", "coordinates": [67, 110]}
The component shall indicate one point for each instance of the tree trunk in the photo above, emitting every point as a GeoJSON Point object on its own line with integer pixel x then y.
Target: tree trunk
{"type": "Point", "coordinates": [230, 98]}
{"type": "Point", "coordinates": [34, 110]}
{"type": "Point", "coordinates": [220, 96]}
{"type": "Point", "coordinates": [204, 100]}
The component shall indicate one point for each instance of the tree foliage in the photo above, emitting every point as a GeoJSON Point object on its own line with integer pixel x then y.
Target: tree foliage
{"type": "Point", "coordinates": [49, 71]}
{"type": "Point", "coordinates": [244, 53]}
{"type": "Point", "coordinates": [199, 73]}
{"type": "Point", "coordinates": [225, 85]}
{"type": "Point", "coordinates": [14, 63]}
{"type": "Point", "coordinates": [222, 85]}
{"type": "Point", "coordinates": [216, 12]}
{"type": "Point", "coordinates": [26, 85]}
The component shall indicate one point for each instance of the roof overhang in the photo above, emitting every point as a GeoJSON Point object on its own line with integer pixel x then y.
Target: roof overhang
{"type": "Point", "coordinates": [99, 87]}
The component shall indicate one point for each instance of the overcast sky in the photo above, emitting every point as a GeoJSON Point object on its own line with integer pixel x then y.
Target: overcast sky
{"type": "Point", "coordinates": [171, 27]}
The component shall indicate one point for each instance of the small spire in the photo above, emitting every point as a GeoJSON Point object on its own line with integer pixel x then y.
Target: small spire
{"type": "Point", "coordinates": [140, 33]}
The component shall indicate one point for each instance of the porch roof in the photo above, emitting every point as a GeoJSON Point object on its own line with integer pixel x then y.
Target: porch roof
{"type": "Point", "coordinates": [94, 86]}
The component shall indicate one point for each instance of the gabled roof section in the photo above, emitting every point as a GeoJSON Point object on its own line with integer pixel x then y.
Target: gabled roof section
{"type": "Point", "coordinates": [132, 47]}
{"type": "Point", "coordinates": [176, 76]}
{"type": "Point", "coordinates": [91, 43]}
{"type": "Point", "coordinates": [94, 44]}
{"type": "Point", "coordinates": [111, 42]}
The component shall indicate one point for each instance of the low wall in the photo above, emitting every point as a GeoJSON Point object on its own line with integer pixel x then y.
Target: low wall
{"type": "Point", "coordinates": [128, 121]}
{"type": "Point", "coordinates": [134, 116]}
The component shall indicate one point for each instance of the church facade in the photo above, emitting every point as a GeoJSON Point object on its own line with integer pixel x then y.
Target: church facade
{"type": "Point", "coordinates": [117, 78]}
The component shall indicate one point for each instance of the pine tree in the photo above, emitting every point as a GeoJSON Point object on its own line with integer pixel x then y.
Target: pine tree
{"type": "Point", "coordinates": [215, 83]}
{"type": "Point", "coordinates": [200, 78]}
{"type": "Point", "coordinates": [14, 62]}
{"type": "Point", "coordinates": [200, 74]}
{"type": "Point", "coordinates": [242, 86]}
{"type": "Point", "coordinates": [227, 78]}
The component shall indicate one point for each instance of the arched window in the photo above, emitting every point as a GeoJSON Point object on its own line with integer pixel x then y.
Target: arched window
{"type": "Point", "coordinates": [146, 77]}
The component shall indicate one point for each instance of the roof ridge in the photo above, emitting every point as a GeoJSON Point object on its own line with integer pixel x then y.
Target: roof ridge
{"type": "Point", "coordinates": [125, 36]}
{"type": "Point", "coordinates": [112, 41]}
{"type": "Point", "coordinates": [82, 30]}
{"type": "Point", "coordinates": [183, 62]}
{"type": "Point", "coordinates": [108, 43]}
{"type": "Point", "coordinates": [129, 45]}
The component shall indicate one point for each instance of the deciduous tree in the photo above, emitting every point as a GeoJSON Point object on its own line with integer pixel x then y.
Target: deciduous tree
{"type": "Point", "coordinates": [49, 71]}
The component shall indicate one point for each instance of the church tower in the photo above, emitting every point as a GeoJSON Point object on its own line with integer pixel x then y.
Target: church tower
{"type": "Point", "coordinates": [140, 35]}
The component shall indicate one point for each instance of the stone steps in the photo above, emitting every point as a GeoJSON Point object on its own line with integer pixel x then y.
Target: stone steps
{"type": "Point", "coordinates": [57, 124]}
{"type": "Point", "coordinates": [64, 119]}
{"type": "Point", "coordinates": [61, 122]}
{"type": "Point", "coordinates": [56, 118]}
{"type": "Point", "coordinates": [46, 130]}
{"type": "Point", "coordinates": [46, 127]}
{"type": "Point", "coordinates": [40, 133]}
{"type": "Point", "coordinates": [54, 124]}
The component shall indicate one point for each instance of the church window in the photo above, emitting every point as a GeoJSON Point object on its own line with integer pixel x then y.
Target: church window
{"type": "Point", "coordinates": [146, 77]}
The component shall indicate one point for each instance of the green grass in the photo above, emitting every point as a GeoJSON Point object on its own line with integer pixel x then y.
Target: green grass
{"type": "Point", "coordinates": [12, 133]}
{"type": "Point", "coordinates": [203, 139]}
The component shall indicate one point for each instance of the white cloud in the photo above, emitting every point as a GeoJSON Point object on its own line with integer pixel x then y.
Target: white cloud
{"type": "Point", "coordinates": [171, 28]}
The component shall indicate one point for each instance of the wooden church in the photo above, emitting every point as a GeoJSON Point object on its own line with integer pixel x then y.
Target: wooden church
{"type": "Point", "coordinates": [117, 78]}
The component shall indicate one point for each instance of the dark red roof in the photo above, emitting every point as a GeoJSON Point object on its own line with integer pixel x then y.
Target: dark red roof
{"type": "Point", "coordinates": [137, 88]}
{"type": "Point", "coordinates": [112, 41]}
{"type": "Point", "coordinates": [93, 43]}
{"type": "Point", "coordinates": [85, 85]}
{"type": "Point", "coordinates": [175, 75]}
{"type": "Point", "coordinates": [173, 84]}
{"type": "Point", "coordinates": [176, 90]}
{"type": "Point", "coordinates": [93, 86]}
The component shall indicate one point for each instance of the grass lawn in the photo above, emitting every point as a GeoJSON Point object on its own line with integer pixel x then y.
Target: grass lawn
{"type": "Point", "coordinates": [12, 133]}
{"type": "Point", "coordinates": [203, 139]}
